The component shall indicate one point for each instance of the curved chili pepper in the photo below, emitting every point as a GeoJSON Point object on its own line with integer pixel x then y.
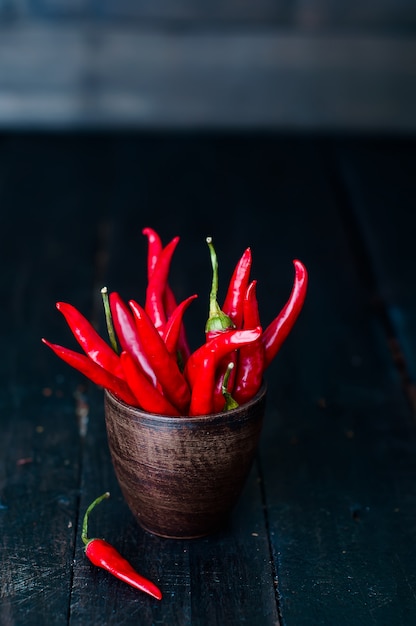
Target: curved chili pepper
{"type": "Point", "coordinates": [233, 303]}
{"type": "Point", "coordinates": [94, 372]}
{"type": "Point", "coordinates": [202, 365]}
{"type": "Point", "coordinates": [156, 288]}
{"type": "Point", "coordinates": [154, 249]}
{"type": "Point", "coordinates": [149, 398]}
{"type": "Point", "coordinates": [128, 336]}
{"type": "Point", "coordinates": [104, 555]}
{"type": "Point", "coordinates": [89, 340]}
{"type": "Point", "coordinates": [163, 364]}
{"type": "Point", "coordinates": [250, 364]}
{"type": "Point", "coordinates": [169, 301]}
{"type": "Point", "coordinates": [173, 326]}
{"type": "Point", "coordinates": [277, 331]}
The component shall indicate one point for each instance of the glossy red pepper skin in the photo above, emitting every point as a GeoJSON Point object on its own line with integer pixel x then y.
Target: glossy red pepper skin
{"type": "Point", "coordinates": [250, 362]}
{"type": "Point", "coordinates": [95, 373]}
{"type": "Point", "coordinates": [171, 332]}
{"type": "Point", "coordinates": [169, 301]}
{"type": "Point", "coordinates": [202, 365]}
{"type": "Point", "coordinates": [89, 340]}
{"type": "Point", "coordinates": [149, 398]}
{"type": "Point", "coordinates": [157, 284]}
{"type": "Point", "coordinates": [104, 555]}
{"type": "Point", "coordinates": [277, 331]}
{"type": "Point", "coordinates": [233, 303]}
{"type": "Point", "coordinates": [128, 336]}
{"type": "Point", "coordinates": [165, 366]}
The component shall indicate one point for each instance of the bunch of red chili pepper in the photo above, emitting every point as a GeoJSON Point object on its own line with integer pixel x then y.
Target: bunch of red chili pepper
{"type": "Point", "coordinates": [148, 363]}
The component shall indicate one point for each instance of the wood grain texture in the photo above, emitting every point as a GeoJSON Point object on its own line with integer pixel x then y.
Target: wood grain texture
{"type": "Point", "coordinates": [324, 530]}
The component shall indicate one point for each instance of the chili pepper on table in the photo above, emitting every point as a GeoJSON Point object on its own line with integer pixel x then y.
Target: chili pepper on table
{"type": "Point", "coordinates": [149, 398]}
{"type": "Point", "coordinates": [164, 364]}
{"type": "Point", "coordinates": [277, 331]}
{"type": "Point", "coordinates": [88, 338]}
{"type": "Point", "coordinates": [250, 362]}
{"type": "Point", "coordinates": [202, 365]}
{"type": "Point", "coordinates": [104, 555]}
{"type": "Point", "coordinates": [94, 372]}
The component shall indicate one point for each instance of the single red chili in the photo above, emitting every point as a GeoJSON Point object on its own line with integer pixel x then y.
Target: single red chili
{"type": "Point", "coordinates": [165, 366]}
{"type": "Point", "coordinates": [88, 338]}
{"type": "Point", "coordinates": [156, 288]}
{"type": "Point", "coordinates": [173, 326]}
{"type": "Point", "coordinates": [169, 303]}
{"type": "Point", "coordinates": [277, 331]}
{"type": "Point", "coordinates": [250, 363]}
{"type": "Point", "coordinates": [104, 555]}
{"type": "Point", "coordinates": [233, 303]}
{"type": "Point", "coordinates": [149, 398]}
{"type": "Point", "coordinates": [202, 365]}
{"type": "Point", "coordinates": [94, 372]}
{"type": "Point", "coordinates": [128, 336]}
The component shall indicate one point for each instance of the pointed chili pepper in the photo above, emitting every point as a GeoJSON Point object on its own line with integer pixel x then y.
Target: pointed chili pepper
{"type": "Point", "coordinates": [157, 283]}
{"type": "Point", "coordinates": [104, 555]}
{"type": "Point", "coordinates": [149, 398]}
{"type": "Point", "coordinates": [173, 325]}
{"type": "Point", "coordinates": [169, 301]}
{"type": "Point", "coordinates": [163, 364]}
{"type": "Point", "coordinates": [128, 336]}
{"type": "Point", "coordinates": [233, 303]}
{"type": "Point", "coordinates": [250, 362]}
{"type": "Point", "coordinates": [203, 363]}
{"type": "Point", "coordinates": [94, 372]}
{"type": "Point", "coordinates": [277, 331]}
{"type": "Point", "coordinates": [88, 338]}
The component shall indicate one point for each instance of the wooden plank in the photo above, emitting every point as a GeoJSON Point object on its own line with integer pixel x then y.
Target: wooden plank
{"type": "Point", "coordinates": [117, 76]}
{"type": "Point", "coordinates": [339, 457]}
{"type": "Point", "coordinates": [45, 249]}
{"type": "Point", "coordinates": [385, 215]}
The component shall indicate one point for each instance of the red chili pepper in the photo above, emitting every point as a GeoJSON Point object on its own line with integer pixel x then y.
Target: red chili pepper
{"type": "Point", "coordinates": [250, 363]}
{"type": "Point", "coordinates": [169, 301]}
{"type": "Point", "coordinates": [203, 363]}
{"type": "Point", "coordinates": [156, 288]}
{"type": "Point", "coordinates": [88, 338]}
{"type": "Point", "coordinates": [104, 555]}
{"type": "Point", "coordinates": [233, 303]}
{"type": "Point", "coordinates": [173, 326]}
{"type": "Point", "coordinates": [128, 336]}
{"type": "Point", "coordinates": [94, 372]}
{"type": "Point", "coordinates": [163, 364]}
{"type": "Point", "coordinates": [277, 331]}
{"type": "Point", "coordinates": [149, 398]}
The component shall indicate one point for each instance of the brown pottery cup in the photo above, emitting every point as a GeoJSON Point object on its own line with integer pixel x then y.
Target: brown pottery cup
{"type": "Point", "coordinates": [182, 476]}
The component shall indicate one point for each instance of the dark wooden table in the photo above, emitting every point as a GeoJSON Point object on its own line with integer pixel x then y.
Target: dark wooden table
{"type": "Point", "coordinates": [325, 531]}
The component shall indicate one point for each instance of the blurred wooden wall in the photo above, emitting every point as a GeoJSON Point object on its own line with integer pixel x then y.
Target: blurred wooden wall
{"type": "Point", "coordinates": [291, 64]}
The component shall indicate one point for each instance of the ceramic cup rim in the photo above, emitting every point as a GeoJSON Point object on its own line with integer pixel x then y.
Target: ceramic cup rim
{"type": "Point", "coordinates": [140, 414]}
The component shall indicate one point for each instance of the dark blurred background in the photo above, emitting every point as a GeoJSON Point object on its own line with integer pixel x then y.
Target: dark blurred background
{"type": "Point", "coordinates": [291, 64]}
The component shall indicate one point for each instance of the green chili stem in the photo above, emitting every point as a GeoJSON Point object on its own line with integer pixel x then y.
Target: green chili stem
{"type": "Point", "coordinates": [230, 403]}
{"type": "Point", "coordinates": [84, 534]}
{"type": "Point", "coordinates": [109, 319]}
{"type": "Point", "coordinates": [217, 319]}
